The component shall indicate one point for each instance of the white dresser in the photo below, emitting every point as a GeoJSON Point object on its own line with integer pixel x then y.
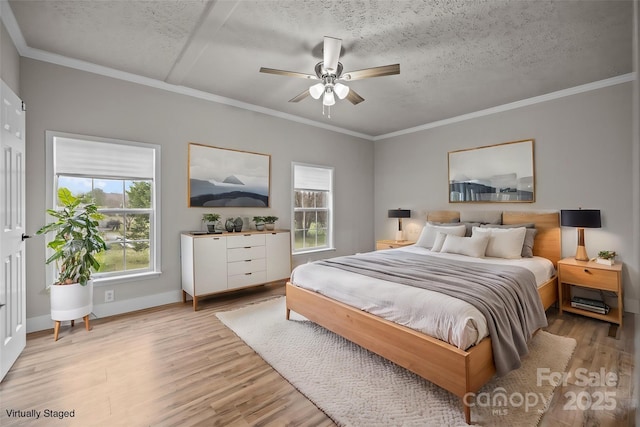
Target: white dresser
{"type": "Point", "coordinates": [214, 263]}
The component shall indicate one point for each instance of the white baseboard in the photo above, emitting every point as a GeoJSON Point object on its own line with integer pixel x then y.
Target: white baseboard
{"type": "Point", "coordinates": [41, 323]}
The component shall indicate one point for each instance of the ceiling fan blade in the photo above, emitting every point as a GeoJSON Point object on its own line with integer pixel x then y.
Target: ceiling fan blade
{"type": "Point", "coordinates": [300, 97]}
{"type": "Point", "coordinates": [354, 98]}
{"type": "Point", "coordinates": [331, 53]}
{"type": "Point", "coordinates": [385, 70]}
{"type": "Point", "coordinates": [288, 73]}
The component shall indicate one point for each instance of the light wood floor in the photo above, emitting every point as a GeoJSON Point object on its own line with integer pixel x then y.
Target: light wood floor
{"type": "Point", "coordinates": [171, 366]}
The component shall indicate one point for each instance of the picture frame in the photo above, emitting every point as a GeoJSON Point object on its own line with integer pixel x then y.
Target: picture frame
{"type": "Point", "coordinates": [222, 177]}
{"type": "Point", "coordinates": [502, 173]}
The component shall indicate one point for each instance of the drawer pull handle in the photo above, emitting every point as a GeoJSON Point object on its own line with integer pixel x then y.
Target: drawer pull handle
{"type": "Point", "coordinates": [247, 260]}
{"type": "Point", "coordinates": [586, 270]}
{"type": "Point", "coordinates": [247, 274]}
{"type": "Point", "coordinates": [247, 247]}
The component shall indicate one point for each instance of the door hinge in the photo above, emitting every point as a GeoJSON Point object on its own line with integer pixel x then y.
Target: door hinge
{"type": "Point", "coordinates": [24, 106]}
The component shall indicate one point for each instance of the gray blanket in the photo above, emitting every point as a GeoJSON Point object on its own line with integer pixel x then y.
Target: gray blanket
{"type": "Point", "coordinates": [506, 295]}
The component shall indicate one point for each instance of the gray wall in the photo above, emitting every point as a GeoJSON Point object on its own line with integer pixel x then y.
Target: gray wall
{"type": "Point", "coordinates": [9, 61]}
{"type": "Point", "coordinates": [583, 158]}
{"type": "Point", "coordinates": [69, 100]}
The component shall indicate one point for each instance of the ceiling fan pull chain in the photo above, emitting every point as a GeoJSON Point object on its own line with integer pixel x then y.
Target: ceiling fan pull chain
{"type": "Point", "coordinates": [329, 110]}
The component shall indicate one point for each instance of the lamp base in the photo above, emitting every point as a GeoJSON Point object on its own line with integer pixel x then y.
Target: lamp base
{"type": "Point", "coordinates": [581, 254]}
{"type": "Point", "coordinates": [399, 236]}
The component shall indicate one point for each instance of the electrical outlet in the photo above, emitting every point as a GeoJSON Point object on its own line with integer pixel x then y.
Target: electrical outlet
{"type": "Point", "coordinates": [109, 295]}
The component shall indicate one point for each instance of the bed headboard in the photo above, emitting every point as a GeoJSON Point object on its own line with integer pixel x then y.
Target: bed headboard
{"type": "Point", "coordinates": [443, 216]}
{"type": "Point", "coordinates": [547, 241]}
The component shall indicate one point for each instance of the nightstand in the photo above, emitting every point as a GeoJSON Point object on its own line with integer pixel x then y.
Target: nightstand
{"type": "Point", "coordinates": [392, 244]}
{"type": "Point", "coordinates": [590, 275]}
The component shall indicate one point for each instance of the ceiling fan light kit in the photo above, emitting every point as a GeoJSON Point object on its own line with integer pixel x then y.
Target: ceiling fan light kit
{"type": "Point", "coordinates": [316, 90]}
{"type": "Point", "coordinates": [329, 71]}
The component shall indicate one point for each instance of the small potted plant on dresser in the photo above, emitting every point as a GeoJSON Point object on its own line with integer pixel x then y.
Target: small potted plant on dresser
{"type": "Point", "coordinates": [210, 219]}
{"type": "Point", "coordinates": [270, 222]}
{"type": "Point", "coordinates": [76, 240]}
{"type": "Point", "coordinates": [259, 221]}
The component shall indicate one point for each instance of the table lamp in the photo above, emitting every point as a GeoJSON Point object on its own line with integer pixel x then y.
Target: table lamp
{"type": "Point", "coordinates": [580, 218]}
{"type": "Point", "coordinates": [399, 213]}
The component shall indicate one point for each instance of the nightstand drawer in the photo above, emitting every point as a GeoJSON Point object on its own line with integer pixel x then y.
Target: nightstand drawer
{"type": "Point", "coordinates": [589, 277]}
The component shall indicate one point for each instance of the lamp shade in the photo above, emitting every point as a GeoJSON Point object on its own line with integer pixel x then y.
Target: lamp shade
{"type": "Point", "coordinates": [581, 218]}
{"type": "Point", "coordinates": [341, 90]}
{"type": "Point", "coordinates": [328, 99]}
{"type": "Point", "coordinates": [399, 213]}
{"type": "Point", "coordinates": [316, 90]}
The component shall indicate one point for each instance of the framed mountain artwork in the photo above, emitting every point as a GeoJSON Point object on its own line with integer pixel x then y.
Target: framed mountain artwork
{"type": "Point", "coordinates": [220, 177]}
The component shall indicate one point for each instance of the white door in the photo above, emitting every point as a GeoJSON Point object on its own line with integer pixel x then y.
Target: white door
{"type": "Point", "coordinates": [13, 327]}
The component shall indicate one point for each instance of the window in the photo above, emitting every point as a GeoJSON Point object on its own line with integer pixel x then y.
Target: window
{"type": "Point", "coordinates": [122, 179]}
{"type": "Point", "coordinates": [312, 208]}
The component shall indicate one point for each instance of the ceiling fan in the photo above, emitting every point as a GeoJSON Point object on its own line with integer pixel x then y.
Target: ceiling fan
{"type": "Point", "coordinates": [330, 73]}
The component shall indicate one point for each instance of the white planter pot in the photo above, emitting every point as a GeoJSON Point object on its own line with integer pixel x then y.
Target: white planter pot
{"type": "Point", "coordinates": [70, 302]}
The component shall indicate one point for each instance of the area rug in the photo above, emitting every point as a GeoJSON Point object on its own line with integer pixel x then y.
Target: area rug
{"type": "Point", "coordinates": [355, 387]}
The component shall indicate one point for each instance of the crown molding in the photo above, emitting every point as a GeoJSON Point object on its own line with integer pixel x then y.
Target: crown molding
{"type": "Point", "coordinates": [10, 23]}
{"type": "Point", "coordinates": [514, 105]}
{"type": "Point", "coordinates": [9, 20]}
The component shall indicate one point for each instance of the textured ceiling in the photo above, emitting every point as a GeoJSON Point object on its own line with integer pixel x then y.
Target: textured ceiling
{"type": "Point", "coordinates": [455, 56]}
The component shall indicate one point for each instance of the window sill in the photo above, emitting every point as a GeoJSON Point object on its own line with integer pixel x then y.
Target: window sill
{"type": "Point", "coordinates": [104, 281]}
{"type": "Point", "coordinates": [311, 251]}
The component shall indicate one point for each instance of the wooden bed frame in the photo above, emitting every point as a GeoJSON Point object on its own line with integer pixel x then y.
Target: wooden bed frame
{"type": "Point", "coordinates": [455, 370]}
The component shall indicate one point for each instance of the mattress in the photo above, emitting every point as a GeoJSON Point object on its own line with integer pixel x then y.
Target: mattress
{"type": "Point", "coordinates": [446, 318]}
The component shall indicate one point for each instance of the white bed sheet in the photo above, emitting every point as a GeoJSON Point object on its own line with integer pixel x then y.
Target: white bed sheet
{"type": "Point", "coordinates": [441, 316]}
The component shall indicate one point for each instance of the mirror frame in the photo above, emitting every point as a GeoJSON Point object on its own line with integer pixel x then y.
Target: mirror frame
{"type": "Point", "coordinates": [500, 173]}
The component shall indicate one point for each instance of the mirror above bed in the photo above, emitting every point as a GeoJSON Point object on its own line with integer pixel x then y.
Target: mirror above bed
{"type": "Point", "coordinates": [495, 173]}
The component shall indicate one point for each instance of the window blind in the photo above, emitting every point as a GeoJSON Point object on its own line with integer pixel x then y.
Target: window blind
{"type": "Point", "coordinates": [93, 158]}
{"type": "Point", "coordinates": [312, 178]}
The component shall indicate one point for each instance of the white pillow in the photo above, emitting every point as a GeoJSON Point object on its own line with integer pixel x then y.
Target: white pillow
{"type": "Point", "coordinates": [430, 231]}
{"type": "Point", "coordinates": [474, 246]}
{"type": "Point", "coordinates": [503, 242]}
{"type": "Point", "coordinates": [437, 244]}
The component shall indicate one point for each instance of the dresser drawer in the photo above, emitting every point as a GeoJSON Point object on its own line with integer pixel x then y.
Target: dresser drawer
{"type": "Point", "coordinates": [589, 277]}
{"type": "Point", "coordinates": [245, 241]}
{"type": "Point", "coordinates": [244, 267]}
{"type": "Point", "coordinates": [247, 279]}
{"type": "Point", "coordinates": [243, 254]}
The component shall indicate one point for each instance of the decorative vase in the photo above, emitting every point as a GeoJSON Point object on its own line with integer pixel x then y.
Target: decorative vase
{"type": "Point", "coordinates": [229, 225]}
{"type": "Point", "coordinates": [270, 226]}
{"type": "Point", "coordinates": [238, 224]}
{"type": "Point", "coordinates": [211, 227]}
{"type": "Point", "coordinates": [259, 226]}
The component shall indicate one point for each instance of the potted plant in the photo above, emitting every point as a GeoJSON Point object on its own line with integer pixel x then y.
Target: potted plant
{"type": "Point", "coordinates": [259, 221]}
{"type": "Point", "coordinates": [76, 240]}
{"type": "Point", "coordinates": [270, 221]}
{"type": "Point", "coordinates": [210, 220]}
{"type": "Point", "coordinates": [606, 257]}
